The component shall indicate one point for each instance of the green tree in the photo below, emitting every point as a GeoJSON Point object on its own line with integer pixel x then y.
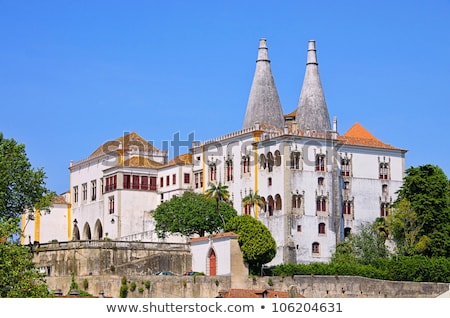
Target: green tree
{"type": "Point", "coordinates": [427, 190]}
{"type": "Point", "coordinates": [19, 278]}
{"type": "Point", "coordinates": [220, 193]}
{"type": "Point", "coordinates": [191, 214]}
{"type": "Point", "coordinates": [257, 243]}
{"type": "Point", "coordinates": [252, 199]}
{"type": "Point", "coordinates": [404, 229]}
{"type": "Point", "coordinates": [22, 188]}
{"type": "Point", "coordinates": [365, 246]}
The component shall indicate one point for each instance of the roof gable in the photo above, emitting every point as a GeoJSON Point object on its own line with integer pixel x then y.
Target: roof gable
{"type": "Point", "coordinates": [126, 142]}
{"type": "Point", "coordinates": [359, 136]}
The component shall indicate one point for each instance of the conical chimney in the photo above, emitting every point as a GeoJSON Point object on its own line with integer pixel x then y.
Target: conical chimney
{"type": "Point", "coordinates": [312, 111]}
{"type": "Point", "coordinates": [264, 106]}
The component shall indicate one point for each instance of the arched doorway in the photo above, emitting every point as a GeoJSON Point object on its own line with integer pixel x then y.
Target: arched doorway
{"type": "Point", "coordinates": [212, 263]}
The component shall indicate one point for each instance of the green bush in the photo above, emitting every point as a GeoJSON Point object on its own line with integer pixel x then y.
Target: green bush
{"type": "Point", "coordinates": [401, 268]}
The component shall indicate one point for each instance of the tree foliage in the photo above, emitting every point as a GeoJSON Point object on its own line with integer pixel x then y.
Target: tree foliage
{"type": "Point", "coordinates": [366, 246]}
{"type": "Point", "coordinates": [257, 243]}
{"type": "Point", "coordinates": [252, 199]}
{"type": "Point", "coordinates": [420, 217]}
{"type": "Point", "coordinates": [19, 278]}
{"type": "Point", "coordinates": [21, 187]}
{"type": "Point", "coordinates": [191, 214]}
{"type": "Point", "coordinates": [220, 193]}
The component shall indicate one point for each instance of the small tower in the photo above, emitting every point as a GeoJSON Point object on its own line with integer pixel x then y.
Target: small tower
{"type": "Point", "coordinates": [312, 112]}
{"type": "Point", "coordinates": [264, 106]}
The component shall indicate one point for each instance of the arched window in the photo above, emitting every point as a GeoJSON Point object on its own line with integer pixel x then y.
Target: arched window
{"type": "Point", "coordinates": [270, 205]}
{"type": "Point", "coordinates": [277, 158]}
{"type": "Point", "coordinates": [315, 248]}
{"type": "Point", "coordinates": [277, 202]}
{"type": "Point", "coordinates": [347, 207]}
{"type": "Point", "coordinates": [229, 169]}
{"type": "Point", "coordinates": [296, 201]}
{"type": "Point", "coordinates": [264, 204]}
{"type": "Point", "coordinates": [270, 161]}
{"type": "Point", "coordinates": [384, 209]}
{"type": "Point", "coordinates": [321, 204]}
{"type": "Point", "coordinates": [320, 162]}
{"type": "Point", "coordinates": [322, 228]}
{"type": "Point", "coordinates": [262, 161]}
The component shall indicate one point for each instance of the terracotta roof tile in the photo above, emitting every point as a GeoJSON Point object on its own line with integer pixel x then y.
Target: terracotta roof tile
{"type": "Point", "coordinates": [126, 141]}
{"type": "Point", "coordinates": [214, 236]}
{"type": "Point", "coordinates": [291, 114]}
{"type": "Point", "coordinates": [360, 136]}
{"type": "Point", "coordinates": [184, 159]}
{"type": "Point", "coordinates": [59, 199]}
{"type": "Point", "coordinates": [255, 293]}
{"type": "Point", "coordinates": [142, 162]}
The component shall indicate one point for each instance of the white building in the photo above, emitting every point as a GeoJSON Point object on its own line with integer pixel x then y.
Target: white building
{"type": "Point", "coordinates": [317, 185]}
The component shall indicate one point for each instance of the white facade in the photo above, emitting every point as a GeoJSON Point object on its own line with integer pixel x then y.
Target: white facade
{"type": "Point", "coordinates": [317, 187]}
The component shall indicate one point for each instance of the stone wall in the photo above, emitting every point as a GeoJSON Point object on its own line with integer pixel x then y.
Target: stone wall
{"type": "Point", "coordinates": [101, 265]}
{"type": "Point", "coordinates": [93, 258]}
{"type": "Point", "coordinates": [209, 287]}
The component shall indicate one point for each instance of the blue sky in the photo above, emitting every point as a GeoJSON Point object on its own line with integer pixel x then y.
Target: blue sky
{"type": "Point", "coordinates": [75, 74]}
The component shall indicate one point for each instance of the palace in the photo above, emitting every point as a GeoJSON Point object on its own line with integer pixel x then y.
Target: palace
{"type": "Point", "coordinates": [317, 185]}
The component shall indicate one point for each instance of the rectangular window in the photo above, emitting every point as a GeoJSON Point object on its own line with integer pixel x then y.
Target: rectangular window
{"type": "Point", "coordinates": [126, 181]}
{"type": "Point", "coordinates": [144, 183]}
{"type": "Point", "coordinates": [167, 180]}
{"type": "Point", "coordinates": [93, 190]}
{"type": "Point", "coordinates": [136, 182]}
{"type": "Point", "coordinates": [75, 194]}
{"type": "Point", "coordinates": [174, 179]}
{"type": "Point", "coordinates": [111, 205]}
{"type": "Point", "coordinates": [295, 160]}
{"type": "Point", "coordinates": [111, 183]}
{"type": "Point", "coordinates": [84, 191]}
{"type": "Point", "coordinates": [161, 182]}
{"type": "Point", "coordinates": [198, 176]}
{"type": "Point", "coordinates": [269, 181]}
{"type": "Point", "coordinates": [299, 228]}
{"type": "Point", "coordinates": [187, 178]}
{"type": "Point", "coordinates": [153, 183]}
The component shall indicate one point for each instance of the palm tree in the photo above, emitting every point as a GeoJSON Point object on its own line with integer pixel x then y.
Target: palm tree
{"type": "Point", "coordinates": [219, 192]}
{"type": "Point", "coordinates": [252, 199]}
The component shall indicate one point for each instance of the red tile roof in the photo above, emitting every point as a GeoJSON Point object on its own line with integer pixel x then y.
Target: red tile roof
{"type": "Point", "coordinates": [359, 136]}
{"type": "Point", "coordinates": [254, 293]}
{"type": "Point", "coordinates": [184, 159]}
{"type": "Point", "coordinates": [126, 141]}
{"type": "Point", "coordinates": [214, 236]}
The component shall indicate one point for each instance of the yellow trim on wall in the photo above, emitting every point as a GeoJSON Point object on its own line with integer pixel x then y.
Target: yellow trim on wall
{"type": "Point", "coordinates": [23, 225]}
{"type": "Point", "coordinates": [37, 225]}
{"type": "Point", "coordinates": [256, 136]}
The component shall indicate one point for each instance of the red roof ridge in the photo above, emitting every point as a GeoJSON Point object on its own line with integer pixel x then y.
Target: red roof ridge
{"type": "Point", "coordinates": [213, 236]}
